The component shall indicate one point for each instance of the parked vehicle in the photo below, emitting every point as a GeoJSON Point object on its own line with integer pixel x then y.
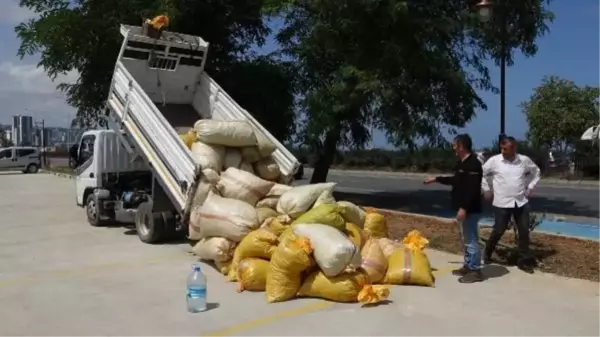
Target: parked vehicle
{"type": "Point", "coordinates": [23, 158]}
{"type": "Point", "coordinates": [139, 170]}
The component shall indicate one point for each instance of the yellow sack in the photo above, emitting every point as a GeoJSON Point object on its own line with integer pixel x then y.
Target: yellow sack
{"type": "Point", "coordinates": [415, 241]}
{"type": "Point", "coordinates": [188, 138]}
{"type": "Point", "coordinates": [345, 287]}
{"type": "Point", "coordinates": [324, 214]}
{"type": "Point", "coordinates": [352, 213]}
{"type": "Point", "coordinates": [355, 234]}
{"type": "Point", "coordinates": [260, 243]}
{"type": "Point", "coordinates": [223, 267]}
{"type": "Point", "coordinates": [406, 266]}
{"type": "Point", "coordinates": [287, 233]}
{"type": "Point", "coordinates": [291, 258]}
{"type": "Point", "coordinates": [371, 294]}
{"type": "Point", "coordinates": [374, 263]}
{"type": "Point", "coordinates": [376, 225]}
{"type": "Point", "coordinates": [252, 274]}
{"type": "Point", "coordinates": [274, 226]}
{"type": "Point", "coordinates": [388, 246]}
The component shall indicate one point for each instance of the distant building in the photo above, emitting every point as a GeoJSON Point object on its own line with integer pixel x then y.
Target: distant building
{"type": "Point", "coordinates": [44, 139]}
{"type": "Point", "coordinates": [22, 130]}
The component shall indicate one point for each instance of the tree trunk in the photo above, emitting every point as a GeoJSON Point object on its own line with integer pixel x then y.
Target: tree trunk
{"type": "Point", "coordinates": [325, 158]}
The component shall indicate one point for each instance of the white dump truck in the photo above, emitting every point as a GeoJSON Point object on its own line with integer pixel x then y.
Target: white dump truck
{"type": "Point", "coordinates": [138, 170]}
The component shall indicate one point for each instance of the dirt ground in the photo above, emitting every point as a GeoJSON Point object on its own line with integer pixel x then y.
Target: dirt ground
{"type": "Point", "coordinates": [560, 255]}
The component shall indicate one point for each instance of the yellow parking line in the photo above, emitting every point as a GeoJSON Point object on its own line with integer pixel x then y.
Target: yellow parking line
{"type": "Point", "coordinates": [89, 269]}
{"type": "Point", "coordinates": [271, 319]}
{"type": "Point", "coordinates": [313, 307]}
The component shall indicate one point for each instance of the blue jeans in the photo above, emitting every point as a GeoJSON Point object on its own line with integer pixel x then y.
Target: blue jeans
{"type": "Point", "coordinates": [469, 230]}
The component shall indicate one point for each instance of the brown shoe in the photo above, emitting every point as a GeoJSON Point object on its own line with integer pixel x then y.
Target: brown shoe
{"type": "Point", "coordinates": [462, 271]}
{"type": "Point", "coordinates": [472, 276]}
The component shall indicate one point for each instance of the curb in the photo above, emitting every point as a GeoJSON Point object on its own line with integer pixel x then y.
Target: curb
{"type": "Point", "coordinates": [58, 174]}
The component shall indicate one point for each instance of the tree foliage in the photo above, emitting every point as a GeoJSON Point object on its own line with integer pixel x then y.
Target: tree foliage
{"type": "Point", "coordinates": [407, 67]}
{"type": "Point", "coordinates": [559, 111]}
{"type": "Point", "coordinates": [84, 36]}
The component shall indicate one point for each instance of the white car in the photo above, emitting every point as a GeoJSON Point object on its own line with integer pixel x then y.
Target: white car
{"type": "Point", "coordinates": [22, 158]}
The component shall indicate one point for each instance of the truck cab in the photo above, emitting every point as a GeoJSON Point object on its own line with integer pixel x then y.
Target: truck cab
{"type": "Point", "coordinates": [113, 185]}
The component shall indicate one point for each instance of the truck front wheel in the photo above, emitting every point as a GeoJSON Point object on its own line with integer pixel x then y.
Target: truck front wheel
{"type": "Point", "coordinates": [92, 210]}
{"type": "Point", "coordinates": [150, 226]}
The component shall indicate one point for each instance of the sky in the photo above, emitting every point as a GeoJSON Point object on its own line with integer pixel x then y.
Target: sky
{"type": "Point", "coordinates": [569, 50]}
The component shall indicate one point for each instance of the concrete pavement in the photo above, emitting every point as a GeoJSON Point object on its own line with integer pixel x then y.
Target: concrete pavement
{"type": "Point", "coordinates": [60, 276]}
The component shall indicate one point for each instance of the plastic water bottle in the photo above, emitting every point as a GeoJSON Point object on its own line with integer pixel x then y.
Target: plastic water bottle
{"type": "Point", "coordinates": [196, 290]}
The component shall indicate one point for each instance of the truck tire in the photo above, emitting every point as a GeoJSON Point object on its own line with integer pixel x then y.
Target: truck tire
{"type": "Point", "coordinates": [92, 212]}
{"type": "Point", "coordinates": [150, 226]}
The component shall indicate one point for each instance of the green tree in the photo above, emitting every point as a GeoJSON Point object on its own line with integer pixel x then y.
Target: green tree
{"type": "Point", "coordinates": [559, 111]}
{"type": "Point", "coordinates": [403, 66]}
{"type": "Point", "coordinates": [84, 35]}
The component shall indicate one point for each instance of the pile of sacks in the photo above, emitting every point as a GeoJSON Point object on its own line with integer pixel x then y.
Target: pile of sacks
{"type": "Point", "coordinates": [300, 242]}
{"type": "Point", "coordinates": [218, 145]}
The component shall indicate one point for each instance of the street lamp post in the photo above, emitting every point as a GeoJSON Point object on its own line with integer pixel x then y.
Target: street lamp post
{"type": "Point", "coordinates": [484, 8]}
{"type": "Point", "coordinates": [42, 142]}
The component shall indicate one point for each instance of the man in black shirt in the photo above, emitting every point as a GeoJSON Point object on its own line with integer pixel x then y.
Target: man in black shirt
{"type": "Point", "coordinates": [466, 201]}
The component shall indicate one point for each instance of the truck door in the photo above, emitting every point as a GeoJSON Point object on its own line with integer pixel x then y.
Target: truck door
{"type": "Point", "coordinates": [85, 175]}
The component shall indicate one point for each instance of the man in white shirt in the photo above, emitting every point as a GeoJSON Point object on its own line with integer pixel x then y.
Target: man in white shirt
{"type": "Point", "coordinates": [514, 177]}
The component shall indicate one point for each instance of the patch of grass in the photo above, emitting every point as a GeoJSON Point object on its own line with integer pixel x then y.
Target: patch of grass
{"type": "Point", "coordinates": [560, 255]}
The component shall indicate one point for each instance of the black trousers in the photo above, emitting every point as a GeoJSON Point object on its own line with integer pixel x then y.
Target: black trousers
{"type": "Point", "coordinates": [502, 218]}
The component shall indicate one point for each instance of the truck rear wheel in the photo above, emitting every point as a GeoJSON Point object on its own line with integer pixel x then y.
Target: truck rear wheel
{"type": "Point", "coordinates": [150, 226]}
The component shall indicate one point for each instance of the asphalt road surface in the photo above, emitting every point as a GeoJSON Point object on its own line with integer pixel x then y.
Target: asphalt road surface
{"type": "Point", "coordinates": [577, 203]}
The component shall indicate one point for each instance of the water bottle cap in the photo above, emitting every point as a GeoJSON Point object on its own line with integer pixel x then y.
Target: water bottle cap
{"type": "Point", "coordinates": [196, 267]}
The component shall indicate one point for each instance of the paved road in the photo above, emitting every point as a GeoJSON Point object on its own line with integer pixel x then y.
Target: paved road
{"type": "Point", "coordinates": [578, 203]}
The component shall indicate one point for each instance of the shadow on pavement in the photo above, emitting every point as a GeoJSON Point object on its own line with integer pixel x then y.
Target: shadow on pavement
{"type": "Point", "coordinates": [494, 271]}
{"type": "Point", "coordinates": [435, 202]}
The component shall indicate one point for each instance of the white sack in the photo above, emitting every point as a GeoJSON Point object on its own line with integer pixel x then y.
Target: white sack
{"type": "Point", "coordinates": [267, 169]}
{"type": "Point", "coordinates": [208, 156]}
{"type": "Point", "coordinates": [211, 176]}
{"type": "Point", "coordinates": [268, 202]}
{"type": "Point", "coordinates": [279, 189]}
{"type": "Point", "coordinates": [233, 158]}
{"type": "Point", "coordinates": [250, 154]}
{"type": "Point", "coordinates": [244, 186]}
{"type": "Point", "coordinates": [298, 200]}
{"type": "Point", "coordinates": [247, 167]}
{"type": "Point", "coordinates": [214, 249]}
{"type": "Point", "coordinates": [352, 213]}
{"type": "Point", "coordinates": [204, 189]}
{"type": "Point", "coordinates": [226, 133]}
{"type": "Point", "coordinates": [265, 146]}
{"type": "Point", "coordinates": [332, 250]}
{"type": "Point", "coordinates": [223, 217]}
